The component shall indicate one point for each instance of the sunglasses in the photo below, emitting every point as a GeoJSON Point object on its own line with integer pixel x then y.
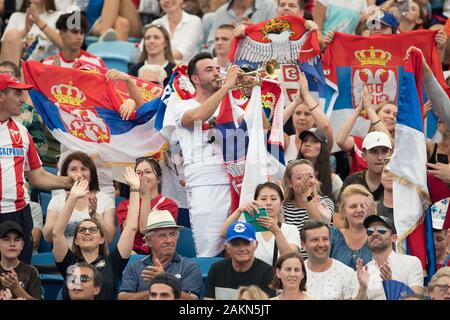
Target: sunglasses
{"type": "Point", "coordinates": [138, 160]}
{"type": "Point", "coordinates": [381, 230]}
{"type": "Point", "coordinates": [92, 230]}
{"type": "Point", "coordinates": [83, 278]}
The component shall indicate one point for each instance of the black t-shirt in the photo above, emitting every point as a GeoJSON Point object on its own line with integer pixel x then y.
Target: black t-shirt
{"type": "Point", "coordinates": [223, 281]}
{"type": "Point", "coordinates": [111, 269]}
{"type": "Point", "coordinates": [360, 178]}
{"type": "Point", "coordinates": [384, 211]}
{"type": "Point", "coordinates": [28, 277]}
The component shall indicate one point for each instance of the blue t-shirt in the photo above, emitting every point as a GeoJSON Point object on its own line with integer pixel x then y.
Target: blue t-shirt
{"type": "Point", "coordinates": [184, 269]}
{"type": "Point", "coordinates": [341, 251]}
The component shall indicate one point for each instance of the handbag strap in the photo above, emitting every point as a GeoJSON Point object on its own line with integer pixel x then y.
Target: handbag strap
{"type": "Point", "coordinates": [275, 250]}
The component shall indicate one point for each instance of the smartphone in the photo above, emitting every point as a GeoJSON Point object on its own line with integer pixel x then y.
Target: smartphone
{"type": "Point", "coordinates": [442, 158]}
{"type": "Point", "coordinates": [252, 219]}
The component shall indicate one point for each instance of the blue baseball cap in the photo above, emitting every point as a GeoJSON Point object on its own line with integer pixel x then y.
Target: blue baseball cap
{"type": "Point", "coordinates": [240, 229]}
{"type": "Point", "coordinates": [388, 19]}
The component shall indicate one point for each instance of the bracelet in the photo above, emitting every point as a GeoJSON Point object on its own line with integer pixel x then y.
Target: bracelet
{"type": "Point", "coordinates": [372, 124]}
{"type": "Point", "coordinates": [134, 190]}
{"type": "Point", "coordinates": [42, 29]}
{"type": "Point", "coordinates": [310, 110]}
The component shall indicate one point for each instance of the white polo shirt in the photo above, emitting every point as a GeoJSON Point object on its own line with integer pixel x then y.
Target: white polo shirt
{"type": "Point", "coordinates": [405, 268]}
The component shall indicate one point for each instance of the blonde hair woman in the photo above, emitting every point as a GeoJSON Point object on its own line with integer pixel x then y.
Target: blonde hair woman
{"type": "Point", "coordinates": [350, 242]}
{"type": "Point", "coordinates": [251, 293]}
{"type": "Point", "coordinates": [303, 200]}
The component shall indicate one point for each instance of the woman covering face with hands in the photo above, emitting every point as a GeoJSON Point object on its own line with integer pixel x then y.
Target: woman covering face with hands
{"type": "Point", "coordinates": [268, 197]}
{"type": "Point", "coordinates": [92, 203]}
{"type": "Point", "coordinates": [89, 240]}
{"type": "Point", "coordinates": [303, 199]}
{"type": "Point", "coordinates": [149, 172]}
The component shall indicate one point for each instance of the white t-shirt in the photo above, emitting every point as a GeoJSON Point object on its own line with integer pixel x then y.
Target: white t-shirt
{"type": "Point", "coordinates": [187, 37]}
{"type": "Point", "coordinates": [203, 160]}
{"type": "Point", "coordinates": [44, 47]}
{"type": "Point", "coordinates": [264, 251]}
{"type": "Point", "coordinates": [405, 268]}
{"type": "Point", "coordinates": [339, 282]}
{"type": "Point", "coordinates": [104, 202]}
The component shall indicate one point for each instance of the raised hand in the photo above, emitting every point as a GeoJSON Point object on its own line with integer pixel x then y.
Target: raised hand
{"type": "Point", "coordinates": [269, 223]}
{"type": "Point", "coordinates": [92, 205]}
{"type": "Point", "coordinates": [362, 273]}
{"type": "Point", "coordinates": [151, 271]}
{"type": "Point", "coordinates": [114, 74]}
{"type": "Point", "coordinates": [56, 61]}
{"type": "Point", "coordinates": [250, 207]}
{"type": "Point", "coordinates": [232, 75]}
{"type": "Point", "coordinates": [305, 185]}
{"type": "Point", "coordinates": [9, 280]}
{"type": "Point", "coordinates": [370, 205]}
{"type": "Point", "coordinates": [131, 178]}
{"type": "Point", "coordinates": [127, 108]}
{"type": "Point", "coordinates": [385, 271]}
{"type": "Point", "coordinates": [303, 84]}
{"type": "Point", "coordinates": [80, 189]}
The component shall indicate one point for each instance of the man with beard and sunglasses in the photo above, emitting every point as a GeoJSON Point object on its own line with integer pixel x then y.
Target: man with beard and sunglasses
{"type": "Point", "coordinates": [84, 281]}
{"type": "Point", "coordinates": [386, 264]}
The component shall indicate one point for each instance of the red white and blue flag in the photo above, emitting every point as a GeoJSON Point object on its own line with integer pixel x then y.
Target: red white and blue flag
{"type": "Point", "coordinates": [350, 62]}
{"type": "Point", "coordinates": [81, 109]}
{"type": "Point", "coordinates": [286, 40]}
{"type": "Point", "coordinates": [408, 164]}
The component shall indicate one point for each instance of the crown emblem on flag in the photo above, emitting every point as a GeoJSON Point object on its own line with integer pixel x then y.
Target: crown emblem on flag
{"type": "Point", "coordinates": [276, 26]}
{"type": "Point", "coordinates": [68, 94]}
{"type": "Point", "coordinates": [373, 56]}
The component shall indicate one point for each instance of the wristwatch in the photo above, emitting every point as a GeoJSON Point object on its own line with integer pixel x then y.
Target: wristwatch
{"type": "Point", "coordinates": [309, 198]}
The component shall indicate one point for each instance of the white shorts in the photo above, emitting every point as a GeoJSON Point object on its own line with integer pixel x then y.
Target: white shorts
{"type": "Point", "coordinates": [209, 207]}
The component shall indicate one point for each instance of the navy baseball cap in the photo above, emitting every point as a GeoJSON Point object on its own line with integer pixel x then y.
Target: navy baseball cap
{"type": "Point", "coordinates": [240, 229]}
{"type": "Point", "coordinates": [388, 19]}
{"type": "Point", "coordinates": [9, 226]}
{"type": "Point", "coordinates": [385, 220]}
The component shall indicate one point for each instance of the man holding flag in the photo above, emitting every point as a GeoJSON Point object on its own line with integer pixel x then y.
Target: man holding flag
{"type": "Point", "coordinates": [18, 156]}
{"type": "Point", "coordinates": [207, 181]}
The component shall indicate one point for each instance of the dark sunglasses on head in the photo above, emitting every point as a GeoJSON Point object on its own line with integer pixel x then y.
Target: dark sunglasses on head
{"type": "Point", "coordinates": [145, 158]}
{"type": "Point", "coordinates": [381, 230]}
{"type": "Point", "coordinates": [83, 278]}
{"type": "Point", "coordinates": [92, 230]}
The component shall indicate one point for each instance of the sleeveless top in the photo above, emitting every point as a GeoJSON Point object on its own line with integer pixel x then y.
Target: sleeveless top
{"type": "Point", "coordinates": [292, 151]}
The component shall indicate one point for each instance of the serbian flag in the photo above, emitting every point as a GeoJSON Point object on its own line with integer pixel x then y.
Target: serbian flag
{"type": "Point", "coordinates": [408, 164]}
{"type": "Point", "coordinates": [286, 40]}
{"type": "Point", "coordinates": [148, 90]}
{"type": "Point", "coordinates": [350, 62]}
{"type": "Point", "coordinates": [178, 88]}
{"type": "Point", "coordinates": [245, 146]}
{"type": "Point", "coordinates": [81, 109]}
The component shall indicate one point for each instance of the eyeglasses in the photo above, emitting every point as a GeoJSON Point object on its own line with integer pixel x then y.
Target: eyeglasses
{"type": "Point", "coordinates": [442, 287]}
{"type": "Point", "coordinates": [381, 230]}
{"type": "Point", "coordinates": [92, 230]}
{"type": "Point", "coordinates": [83, 278]}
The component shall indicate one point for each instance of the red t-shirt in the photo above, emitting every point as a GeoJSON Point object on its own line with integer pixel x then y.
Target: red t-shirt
{"type": "Point", "coordinates": [140, 246]}
{"type": "Point", "coordinates": [358, 164]}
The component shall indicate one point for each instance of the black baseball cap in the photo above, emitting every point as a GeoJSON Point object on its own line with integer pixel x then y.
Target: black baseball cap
{"type": "Point", "coordinates": [316, 132]}
{"type": "Point", "coordinates": [8, 226]}
{"type": "Point", "coordinates": [385, 220]}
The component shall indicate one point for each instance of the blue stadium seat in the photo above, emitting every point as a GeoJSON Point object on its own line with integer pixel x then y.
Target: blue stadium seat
{"type": "Point", "coordinates": [205, 264]}
{"type": "Point", "coordinates": [52, 170]}
{"type": "Point", "coordinates": [43, 259]}
{"type": "Point", "coordinates": [52, 285]}
{"type": "Point", "coordinates": [115, 54]}
{"type": "Point", "coordinates": [185, 244]}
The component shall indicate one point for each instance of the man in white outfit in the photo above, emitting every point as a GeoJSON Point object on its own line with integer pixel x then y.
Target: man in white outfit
{"type": "Point", "coordinates": [207, 181]}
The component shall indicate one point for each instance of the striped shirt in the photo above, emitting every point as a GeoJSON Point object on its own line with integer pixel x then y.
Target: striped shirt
{"type": "Point", "coordinates": [298, 216]}
{"type": "Point", "coordinates": [17, 155]}
{"type": "Point", "coordinates": [83, 56]}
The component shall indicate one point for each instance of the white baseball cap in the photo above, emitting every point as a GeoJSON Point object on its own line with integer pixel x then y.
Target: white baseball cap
{"type": "Point", "coordinates": [376, 139]}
